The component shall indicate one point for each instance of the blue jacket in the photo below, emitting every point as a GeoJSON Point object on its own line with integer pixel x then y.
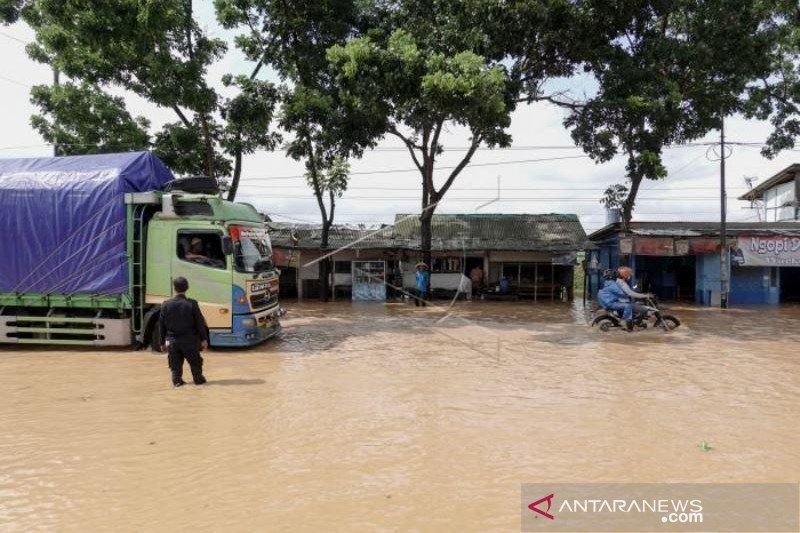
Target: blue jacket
{"type": "Point", "coordinates": [611, 293]}
{"type": "Point", "coordinates": [423, 279]}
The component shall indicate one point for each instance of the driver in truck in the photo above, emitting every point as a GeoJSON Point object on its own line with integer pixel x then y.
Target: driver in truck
{"type": "Point", "coordinates": [195, 252]}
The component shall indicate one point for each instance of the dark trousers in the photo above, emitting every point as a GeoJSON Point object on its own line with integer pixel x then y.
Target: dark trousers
{"type": "Point", "coordinates": [190, 351]}
{"type": "Point", "coordinates": [420, 297]}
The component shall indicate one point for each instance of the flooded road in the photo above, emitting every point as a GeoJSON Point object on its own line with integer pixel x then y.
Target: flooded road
{"type": "Point", "coordinates": [371, 416]}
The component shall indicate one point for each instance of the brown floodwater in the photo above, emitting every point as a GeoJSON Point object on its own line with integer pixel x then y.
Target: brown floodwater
{"type": "Point", "coordinates": [371, 416]}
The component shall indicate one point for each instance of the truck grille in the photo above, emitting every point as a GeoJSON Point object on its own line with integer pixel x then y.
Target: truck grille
{"type": "Point", "coordinates": [258, 301]}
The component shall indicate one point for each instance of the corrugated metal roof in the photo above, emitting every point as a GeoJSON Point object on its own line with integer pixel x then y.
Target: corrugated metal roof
{"type": "Point", "coordinates": [545, 232]}
{"type": "Point", "coordinates": [698, 229]}
{"type": "Point", "coordinates": [502, 232]}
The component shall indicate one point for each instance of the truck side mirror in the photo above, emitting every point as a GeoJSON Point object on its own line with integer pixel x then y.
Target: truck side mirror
{"type": "Point", "coordinates": [227, 245]}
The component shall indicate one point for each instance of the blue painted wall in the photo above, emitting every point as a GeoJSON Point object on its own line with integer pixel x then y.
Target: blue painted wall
{"type": "Point", "coordinates": [748, 285]}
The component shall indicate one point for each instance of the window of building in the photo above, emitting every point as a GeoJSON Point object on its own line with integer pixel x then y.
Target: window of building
{"type": "Point", "coordinates": [342, 267]}
{"type": "Point", "coordinates": [446, 265]}
{"type": "Point", "coordinates": [201, 247]}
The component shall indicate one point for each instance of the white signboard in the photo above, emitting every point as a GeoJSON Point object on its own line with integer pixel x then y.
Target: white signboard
{"type": "Point", "coordinates": [767, 251]}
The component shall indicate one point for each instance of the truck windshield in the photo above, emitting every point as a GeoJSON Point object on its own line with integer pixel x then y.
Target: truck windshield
{"type": "Point", "coordinates": [252, 249]}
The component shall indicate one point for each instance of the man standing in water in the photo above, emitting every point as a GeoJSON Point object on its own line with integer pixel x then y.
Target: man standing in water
{"type": "Point", "coordinates": [183, 332]}
{"type": "Point", "coordinates": [423, 281]}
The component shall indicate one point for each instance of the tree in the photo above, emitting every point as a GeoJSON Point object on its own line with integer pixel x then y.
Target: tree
{"type": "Point", "coordinates": [669, 73]}
{"type": "Point", "coordinates": [423, 68]}
{"type": "Point", "coordinates": [157, 50]}
{"type": "Point", "coordinates": [776, 96]}
{"type": "Point", "coordinates": [326, 130]}
{"type": "Point", "coordinates": [82, 119]}
{"type": "Point", "coordinates": [10, 10]}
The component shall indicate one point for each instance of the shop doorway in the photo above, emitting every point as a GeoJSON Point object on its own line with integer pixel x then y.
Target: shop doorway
{"type": "Point", "coordinates": [790, 284]}
{"type": "Point", "coordinates": [669, 278]}
{"type": "Point", "coordinates": [288, 283]}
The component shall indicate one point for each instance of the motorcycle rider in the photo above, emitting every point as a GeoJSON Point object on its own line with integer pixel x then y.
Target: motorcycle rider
{"type": "Point", "coordinates": [617, 295]}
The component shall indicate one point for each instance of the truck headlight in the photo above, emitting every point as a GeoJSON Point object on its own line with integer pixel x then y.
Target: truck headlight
{"type": "Point", "coordinates": [249, 322]}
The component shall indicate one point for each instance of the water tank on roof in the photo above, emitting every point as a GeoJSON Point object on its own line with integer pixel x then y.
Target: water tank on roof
{"type": "Point", "coordinates": [613, 215]}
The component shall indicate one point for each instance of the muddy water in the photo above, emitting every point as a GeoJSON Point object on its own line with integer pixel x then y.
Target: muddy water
{"type": "Point", "coordinates": [364, 417]}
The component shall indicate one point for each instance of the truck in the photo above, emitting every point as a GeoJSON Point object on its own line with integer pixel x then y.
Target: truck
{"type": "Point", "coordinates": [90, 244]}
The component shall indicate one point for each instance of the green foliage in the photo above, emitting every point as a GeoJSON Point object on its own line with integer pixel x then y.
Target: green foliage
{"type": "Point", "coordinates": [153, 48]}
{"type": "Point", "coordinates": [324, 128]}
{"type": "Point", "coordinates": [668, 73]}
{"type": "Point", "coordinates": [83, 119]}
{"type": "Point", "coordinates": [614, 196]}
{"type": "Point", "coordinates": [417, 88]}
{"type": "Point", "coordinates": [157, 50]}
{"type": "Point", "coordinates": [11, 10]}
{"type": "Point", "coordinates": [776, 96]}
{"type": "Point", "coordinates": [333, 178]}
{"type": "Point", "coordinates": [183, 149]}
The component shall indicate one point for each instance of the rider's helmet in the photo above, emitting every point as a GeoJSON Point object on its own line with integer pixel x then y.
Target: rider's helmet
{"type": "Point", "coordinates": [609, 273]}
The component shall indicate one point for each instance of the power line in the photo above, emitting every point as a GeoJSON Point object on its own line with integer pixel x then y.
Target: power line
{"type": "Point", "coordinates": [9, 36]}
{"type": "Point", "coordinates": [483, 198]}
{"type": "Point", "coordinates": [399, 171]}
{"type": "Point", "coordinates": [504, 189]}
{"type": "Point", "coordinates": [15, 82]}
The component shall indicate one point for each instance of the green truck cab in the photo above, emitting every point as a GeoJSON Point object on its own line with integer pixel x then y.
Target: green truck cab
{"type": "Point", "coordinates": [222, 248]}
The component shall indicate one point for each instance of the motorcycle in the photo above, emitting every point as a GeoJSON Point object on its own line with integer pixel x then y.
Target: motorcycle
{"type": "Point", "coordinates": [648, 315]}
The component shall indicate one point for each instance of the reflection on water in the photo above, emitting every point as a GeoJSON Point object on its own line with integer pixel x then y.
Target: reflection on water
{"type": "Point", "coordinates": [367, 415]}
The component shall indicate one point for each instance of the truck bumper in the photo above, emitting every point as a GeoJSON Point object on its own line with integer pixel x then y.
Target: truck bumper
{"type": "Point", "coordinates": [248, 330]}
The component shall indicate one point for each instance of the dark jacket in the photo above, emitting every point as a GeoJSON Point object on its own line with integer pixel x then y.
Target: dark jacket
{"type": "Point", "coordinates": [181, 319]}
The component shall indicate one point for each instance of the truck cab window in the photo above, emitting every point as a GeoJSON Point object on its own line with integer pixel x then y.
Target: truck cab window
{"type": "Point", "coordinates": [201, 248]}
{"type": "Point", "coordinates": [252, 249]}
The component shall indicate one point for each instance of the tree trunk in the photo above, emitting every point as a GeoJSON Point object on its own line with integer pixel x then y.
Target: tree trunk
{"type": "Point", "coordinates": [237, 174]}
{"type": "Point", "coordinates": [324, 264]}
{"type": "Point", "coordinates": [425, 235]}
{"type": "Point", "coordinates": [630, 201]}
{"type": "Point", "coordinates": [209, 146]}
{"type": "Point", "coordinates": [627, 210]}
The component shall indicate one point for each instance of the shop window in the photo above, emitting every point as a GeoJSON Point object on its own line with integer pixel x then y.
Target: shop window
{"type": "Point", "coordinates": [773, 277]}
{"type": "Point", "coordinates": [511, 272]}
{"type": "Point", "coordinates": [342, 267]}
{"type": "Point", "coordinates": [446, 264]}
{"type": "Point", "coordinates": [202, 248]}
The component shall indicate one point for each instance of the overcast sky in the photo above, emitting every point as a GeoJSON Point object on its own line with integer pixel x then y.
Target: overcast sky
{"type": "Point", "coordinates": [384, 182]}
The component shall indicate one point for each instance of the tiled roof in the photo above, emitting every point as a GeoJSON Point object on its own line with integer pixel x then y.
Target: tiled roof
{"type": "Point", "coordinates": [309, 236]}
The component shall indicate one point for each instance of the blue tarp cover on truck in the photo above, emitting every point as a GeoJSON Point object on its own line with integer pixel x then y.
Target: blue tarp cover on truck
{"type": "Point", "coordinates": [63, 221]}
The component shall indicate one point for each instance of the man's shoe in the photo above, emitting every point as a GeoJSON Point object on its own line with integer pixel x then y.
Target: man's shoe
{"type": "Point", "coordinates": [200, 380]}
{"type": "Point", "coordinates": [177, 384]}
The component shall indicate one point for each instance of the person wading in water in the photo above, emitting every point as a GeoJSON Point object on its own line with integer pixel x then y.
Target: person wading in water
{"type": "Point", "coordinates": [184, 331]}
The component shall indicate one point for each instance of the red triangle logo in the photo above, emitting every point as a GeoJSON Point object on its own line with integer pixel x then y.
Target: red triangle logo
{"type": "Point", "coordinates": [549, 500]}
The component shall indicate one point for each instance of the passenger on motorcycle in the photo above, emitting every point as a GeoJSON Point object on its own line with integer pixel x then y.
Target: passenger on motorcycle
{"type": "Point", "coordinates": [617, 295]}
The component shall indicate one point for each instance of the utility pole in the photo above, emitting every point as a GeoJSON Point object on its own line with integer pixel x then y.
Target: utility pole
{"type": "Point", "coordinates": [723, 237]}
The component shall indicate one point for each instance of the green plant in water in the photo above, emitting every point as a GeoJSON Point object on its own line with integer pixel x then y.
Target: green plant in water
{"type": "Point", "coordinates": [705, 446]}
